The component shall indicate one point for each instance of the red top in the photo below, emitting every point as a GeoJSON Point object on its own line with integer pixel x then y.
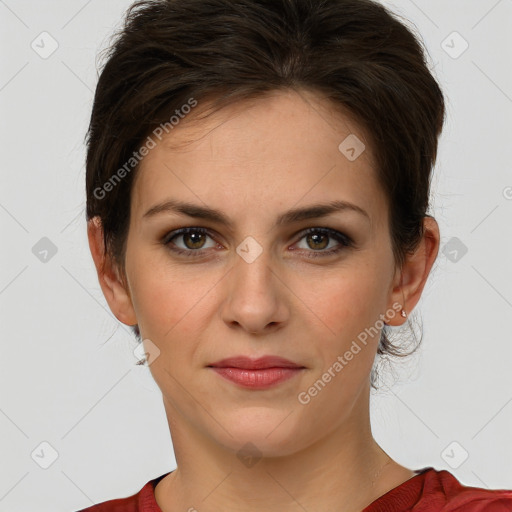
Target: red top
{"type": "Point", "coordinates": [429, 491]}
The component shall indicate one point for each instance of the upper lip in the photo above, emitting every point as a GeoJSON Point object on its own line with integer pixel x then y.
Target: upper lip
{"type": "Point", "coordinates": [248, 363]}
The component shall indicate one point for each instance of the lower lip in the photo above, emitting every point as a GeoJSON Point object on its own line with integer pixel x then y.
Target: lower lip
{"type": "Point", "coordinates": [257, 379]}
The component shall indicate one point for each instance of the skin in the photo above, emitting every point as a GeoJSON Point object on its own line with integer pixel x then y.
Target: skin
{"type": "Point", "coordinates": [280, 151]}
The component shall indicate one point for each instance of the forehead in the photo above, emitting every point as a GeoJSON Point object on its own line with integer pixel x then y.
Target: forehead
{"type": "Point", "coordinates": [281, 149]}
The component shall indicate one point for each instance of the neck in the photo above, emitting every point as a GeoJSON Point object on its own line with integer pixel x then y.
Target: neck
{"type": "Point", "coordinates": [345, 470]}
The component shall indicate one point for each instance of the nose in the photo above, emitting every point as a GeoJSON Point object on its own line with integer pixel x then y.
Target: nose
{"type": "Point", "coordinates": [256, 298]}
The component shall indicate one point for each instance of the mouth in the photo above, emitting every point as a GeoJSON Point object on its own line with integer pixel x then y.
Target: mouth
{"type": "Point", "coordinates": [262, 363]}
{"type": "Point", "coordinates": [259, 373]}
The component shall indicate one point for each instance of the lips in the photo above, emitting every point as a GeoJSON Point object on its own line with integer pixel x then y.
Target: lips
{"type": "Point", "coordinates": [248, 363]}
{"type": "Point", "coordinates": [262, 373]}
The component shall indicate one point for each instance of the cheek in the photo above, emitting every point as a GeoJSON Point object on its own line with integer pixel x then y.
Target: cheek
{"type": "Point", "coordinates": [345, 301]}
{"type": "Point", "coordinates": [170, 302]}
{"type": "Point", "coordinates": [348, 304]}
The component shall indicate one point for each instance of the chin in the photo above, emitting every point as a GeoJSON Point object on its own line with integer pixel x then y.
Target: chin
{"type": "Point", "coordinates": [261, 432]}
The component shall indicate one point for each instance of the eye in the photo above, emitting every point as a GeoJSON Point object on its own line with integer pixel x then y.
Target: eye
{"type": "Point", "coordinates": [317, 239]}
{"type": "Point", "coordinates": [193, 241]}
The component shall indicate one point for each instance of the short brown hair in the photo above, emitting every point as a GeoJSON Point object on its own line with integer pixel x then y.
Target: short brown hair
{"type": "Point", "coordinates": [353, 52]}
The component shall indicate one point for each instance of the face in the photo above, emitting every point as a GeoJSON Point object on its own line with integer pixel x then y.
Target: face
{"type": "Point", "coordinates": [253, 281]}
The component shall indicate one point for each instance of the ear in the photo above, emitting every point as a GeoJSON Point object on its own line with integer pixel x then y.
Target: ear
{"type": "Point", "coordinates": [408, 284]}
{"type": "Point", "coordinates": [114, 289]}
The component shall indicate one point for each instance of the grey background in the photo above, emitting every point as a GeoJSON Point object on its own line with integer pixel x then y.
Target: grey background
{"type": "Point", "coordinates": [67, 373]}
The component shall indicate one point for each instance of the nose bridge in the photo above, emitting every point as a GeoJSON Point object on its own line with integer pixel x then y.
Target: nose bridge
{"type": "Point", "coordinates": [253, 299]}
{"type": "Point", "coordinates": [253, 267]}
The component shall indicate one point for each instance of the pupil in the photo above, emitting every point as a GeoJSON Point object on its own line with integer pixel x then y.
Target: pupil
{"type": "Point", "coordinates": [195, 238]}
{"type": "Point", "coordinates": [316, 241]}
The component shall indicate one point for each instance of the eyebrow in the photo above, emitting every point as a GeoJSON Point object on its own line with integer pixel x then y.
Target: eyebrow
{"type": "Point", "coordinates": [294, 215]}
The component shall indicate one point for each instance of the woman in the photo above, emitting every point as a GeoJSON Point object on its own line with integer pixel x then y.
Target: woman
{"type": "Point", "coordinates": [257, 191]}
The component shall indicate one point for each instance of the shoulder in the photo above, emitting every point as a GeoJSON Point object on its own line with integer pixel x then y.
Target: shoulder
{"type": "Point", "coordinates": [433, 490]}
{"type": "Point", "coordinates": [442, 488]}
{"type": "Point", "coordinates": [128, 504]}
{"type": "Point", "coordinates": [142, 501]}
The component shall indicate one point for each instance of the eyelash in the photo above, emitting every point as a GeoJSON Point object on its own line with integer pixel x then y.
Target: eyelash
{"type": "Point", "coordinates": [344, 240]}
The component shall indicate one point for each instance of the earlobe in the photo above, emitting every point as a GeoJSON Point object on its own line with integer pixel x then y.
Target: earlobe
{"type": "Point", "coordinates": [415, 271]}
{"type": "Point", "coordinates": [114, 290]}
